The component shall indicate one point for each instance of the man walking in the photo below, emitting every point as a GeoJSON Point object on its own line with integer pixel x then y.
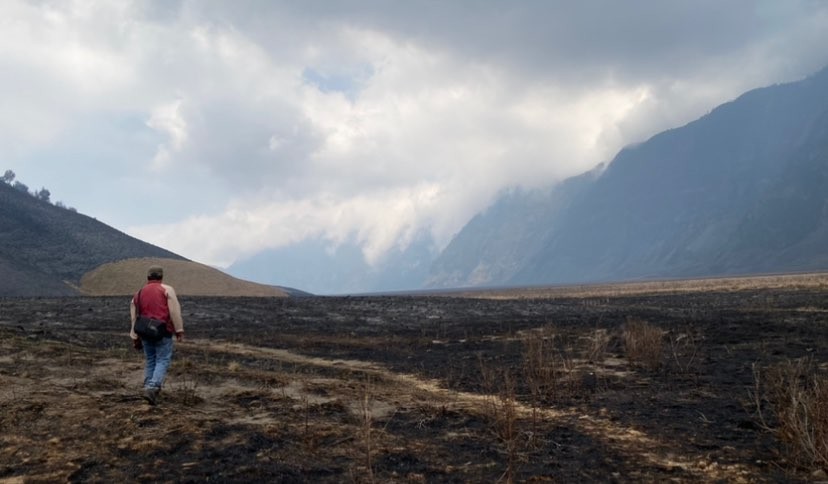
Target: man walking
{"type": "Point", "coordinates": [158, 301]}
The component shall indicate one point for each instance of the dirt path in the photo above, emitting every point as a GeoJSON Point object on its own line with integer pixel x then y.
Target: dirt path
{"type": "Point", "coordinates": [408, 389]}
{"type": "Point", "coordinates": [73, 396]}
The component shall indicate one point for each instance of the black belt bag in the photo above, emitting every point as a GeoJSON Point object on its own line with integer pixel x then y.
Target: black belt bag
{"type": "Point", "coordinates": [150, 329]}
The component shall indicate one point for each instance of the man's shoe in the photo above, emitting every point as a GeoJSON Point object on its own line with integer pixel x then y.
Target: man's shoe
{"type": "Point", "coordinates": [151, 395]}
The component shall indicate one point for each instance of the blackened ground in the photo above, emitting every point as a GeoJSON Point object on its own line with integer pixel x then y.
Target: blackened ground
{"type": "Point", "coordinates": [404, 389]}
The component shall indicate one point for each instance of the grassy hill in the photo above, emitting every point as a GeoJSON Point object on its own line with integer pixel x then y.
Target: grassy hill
{"type": "Point", "coordinates": [47, 250]}
{"type": "Point", "coordinates": [188, 278]}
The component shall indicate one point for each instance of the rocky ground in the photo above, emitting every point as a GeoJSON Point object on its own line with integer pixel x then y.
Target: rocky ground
{"type": "Point", "coordinates": [410, 389]}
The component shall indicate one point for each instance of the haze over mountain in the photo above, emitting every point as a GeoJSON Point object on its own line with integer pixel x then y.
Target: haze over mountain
{"type": "Point", "coordinates": [316, 266]}
{"type": "Point", "coordinates": [741, 190]}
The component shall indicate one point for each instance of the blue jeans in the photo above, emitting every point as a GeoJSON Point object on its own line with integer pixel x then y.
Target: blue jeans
{"type": "Point", "coordinates": [158, 355]}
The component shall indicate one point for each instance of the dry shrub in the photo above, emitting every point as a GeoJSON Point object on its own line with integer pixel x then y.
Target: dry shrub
{"type": "Point", "coordinates": [548, 366]}
{"type": "Point", "coordinates": [366, 435]}
{"type": "Point", "coordinates": [598, 344]}
{"type": "Point", "coordinates": [366, 429]}
{"type": "Point", "coordinates": [685, 348]}
{"type": "Point", "coordinates": [539, 368]}
{"type": "Point", "coordinates": [506, 426]}
{"type": "Point", "coordinates": [643, 343]}
{"type": "Point", "coordinates": [186, 390]}
{"type": "Point", "coordinates": [795, 393]}
{"type": "Point", "coordinates": [502, 412]}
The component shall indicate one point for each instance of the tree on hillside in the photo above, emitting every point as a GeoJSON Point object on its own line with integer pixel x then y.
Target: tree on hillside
{"type": "Point", "coordinates": [43, 194]}
{"type": "Point", "coordinates": [62, 205]}
{"type": "Point", "coordinates": [19, 185]}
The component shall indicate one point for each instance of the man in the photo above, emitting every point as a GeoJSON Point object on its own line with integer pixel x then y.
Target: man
{"type": "Point", "coordinates": [158, 301]}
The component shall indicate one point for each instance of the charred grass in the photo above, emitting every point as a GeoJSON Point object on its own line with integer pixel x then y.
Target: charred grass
{"type": "Point", "coordinates": [681, 387]}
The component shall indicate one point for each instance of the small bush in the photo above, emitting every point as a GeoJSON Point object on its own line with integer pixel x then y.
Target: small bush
{"type": "Point", "coordinates": [549, 366]}
{"type": "Point", "coordinates": [540, 368]}
{"type": "Point", "coordinates": [685, 348]}
{"type": "Point", "coordinates": [795, 393]}
{"type": "Point", "coordinates": [503, 415]}
{"type": "Point", "coordinates": [643, 343]}
{"type": "Point", "coordinates": [598, 344]}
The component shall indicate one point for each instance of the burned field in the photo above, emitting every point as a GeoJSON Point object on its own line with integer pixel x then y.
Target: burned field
{"type": "Point", "coordinates": [679, 387]}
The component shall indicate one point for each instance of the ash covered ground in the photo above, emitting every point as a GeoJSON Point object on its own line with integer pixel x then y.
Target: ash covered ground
{"type": "Point", "coordinates": [406, 389]}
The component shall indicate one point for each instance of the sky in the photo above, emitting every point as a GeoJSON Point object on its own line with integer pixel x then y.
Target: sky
{"type": "Point", "coordinates": [219, 129]}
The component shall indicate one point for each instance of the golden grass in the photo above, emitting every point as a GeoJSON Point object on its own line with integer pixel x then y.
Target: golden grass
{"type": "Point", "coordinates": [643, 343]}
{"type": "Point", "coordinates": [717, 284]}
{"type": "Point", "coordinates": [188, 278]}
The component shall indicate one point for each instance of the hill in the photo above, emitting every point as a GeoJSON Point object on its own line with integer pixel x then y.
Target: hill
{"type": "Point", "coordinates": [47, 250]}
{"type": "Point", "coordinates": [742, 190]}
{"type": "Point", "coordinates": [188, 278]}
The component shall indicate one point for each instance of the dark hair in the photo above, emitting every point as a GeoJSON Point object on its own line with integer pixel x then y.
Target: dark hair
{"type": "Point", "coordinates": [155, 273]}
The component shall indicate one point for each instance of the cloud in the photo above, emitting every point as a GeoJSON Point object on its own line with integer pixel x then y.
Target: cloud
{"type": "Point", "coordinates": [167, 119]}
{"type": "Point", "coordinates": [257, 124]}
{"type": "Point", "coordinates": [376, 222]}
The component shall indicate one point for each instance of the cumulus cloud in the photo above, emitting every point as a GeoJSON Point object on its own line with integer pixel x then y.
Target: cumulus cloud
{"type": "Point", "coordinates": [258, 124]}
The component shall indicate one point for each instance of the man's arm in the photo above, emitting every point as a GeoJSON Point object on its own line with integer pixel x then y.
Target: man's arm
{"type": "Point", "coordinates": [132, 317]}
{"type": "Point", "coordinates": [175, 310]}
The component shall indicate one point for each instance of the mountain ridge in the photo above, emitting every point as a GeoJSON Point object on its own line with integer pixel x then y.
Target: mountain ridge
{"type": "Point", "coordinates": [703, 199]}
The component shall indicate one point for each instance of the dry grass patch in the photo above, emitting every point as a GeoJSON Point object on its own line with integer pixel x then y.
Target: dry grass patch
{"type": "Point", "coordinates": [598, 344]}
{"type": "Point", "coordinates": [124, 277]}
{"type": "Point", "coordinates": [643, 343]}
{"type": "Point", "coordinates": [549, 366]}
{"type": "Point", "coordinates": [791, 400]}
{"type": "Point", "coordinates": [685, 348]}
{"type": "Point", "coordinates": [682, 286]}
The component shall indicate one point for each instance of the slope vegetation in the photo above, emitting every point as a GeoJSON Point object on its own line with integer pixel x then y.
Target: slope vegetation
{"type": "Point", "coordinates": [188, 278]}
{"type": "Point", "coordinates": [44, 249]}
{"type": "Point", "coordinates": [47, 250]}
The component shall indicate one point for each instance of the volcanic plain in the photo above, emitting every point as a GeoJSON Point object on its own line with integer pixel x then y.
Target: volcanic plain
{"type": "Point", "coordinates": [605, 385]}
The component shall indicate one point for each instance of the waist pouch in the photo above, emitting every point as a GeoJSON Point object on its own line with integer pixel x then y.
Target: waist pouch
{"type": "Point", "coordinates": [150, 329]}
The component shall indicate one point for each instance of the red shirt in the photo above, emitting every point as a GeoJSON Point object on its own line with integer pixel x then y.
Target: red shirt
{"type": "Point", "coordinates": [153, 303]}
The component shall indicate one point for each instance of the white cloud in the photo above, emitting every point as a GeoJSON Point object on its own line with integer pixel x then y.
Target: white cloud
{"type": "Point", "coordinates": [376, 221]}
{"type": "Point", "coordinates": [168, 119]}
{"type": "Point", "coordinates": [258, 124]}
